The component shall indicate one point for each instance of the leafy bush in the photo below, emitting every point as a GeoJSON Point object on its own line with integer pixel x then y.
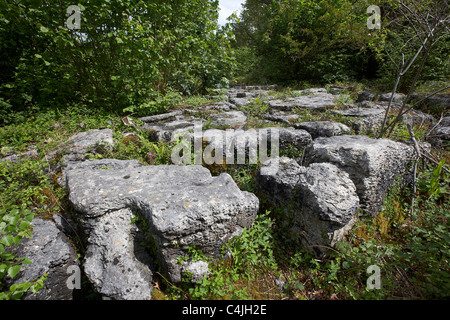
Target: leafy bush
{"type": "Point", "coordinates": [126, 54]}
{"type": "Point", "coordinates": [290, 41]}
{"type": "Point", "coordinates": [245, 257]}
{"type": "Point", "coordinates": [158, 103]}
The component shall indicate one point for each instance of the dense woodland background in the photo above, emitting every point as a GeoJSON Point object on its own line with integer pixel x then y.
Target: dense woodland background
{"type": "Point", "coordinates": [140, 56]}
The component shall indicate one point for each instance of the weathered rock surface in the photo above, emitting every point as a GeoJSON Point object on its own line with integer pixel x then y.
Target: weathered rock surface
{"type": "Point", "coordinates": [440, 136]}
{"type": "Point", "coordinates": [373, 165]}
{"type": "Point", "coordinates": [297, 138]}
{"type": "Point", "coordinates": [12, 157]}
{"type": "Point", "coordinates": [364, 119]}
{"type": "Point", "coordinates": [366, 96]}
{"type": "Point", "coordinates": [314, 100]}
{"type": "Point", "coordinates": [115, 263]}
{"type": "Point", "coordinates": [162, 117]}
{"type": "Point", "coordinates": [283, 117]}
{"type": "Point", "coordinates": [51, 253]}
{"type": "Point", "coordinates": [234, 119]}
{"type": "Point", "coordinates": [182, 206]}
{"type": "Point", "coordinates": [323, 128]}
{"type": "Point", "coordinates": [196, 270]}
{"type": "Point", "coordinates": [240, 101]}
{"type": "Point", "coordinates": [320, 199]}
{"type": "Point", "coordinates": [168, 131]}
{"type": "Point", "coordinates": [437, 101]}
{"type": "Point", "coordinates": [229, 142]}
{"type": "Point", "coordinates": [81, 142]}
{"type": "Point", "coordinates": [398, 97]}
{"type": "Point", "coordinates": [218, 106]}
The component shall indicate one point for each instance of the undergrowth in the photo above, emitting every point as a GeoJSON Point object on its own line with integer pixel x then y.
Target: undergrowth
{"type": "Point", "coordinates": [409, 245]}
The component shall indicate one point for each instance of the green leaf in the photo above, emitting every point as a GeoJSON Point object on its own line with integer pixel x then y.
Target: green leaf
{"type": "Point", "coordinates": [17, 239]}
{"type": "Point", "coordinates": [7, 240]}
{"type": "Point", "coordinates": [17, 295]}
{"type": "Point", "coordinates": [299, 286]}
{"type": "Point", "coordinates": [3, 267]}
{"type": "Point", "coordinates": [24, 225]}
{"type": "Point", "coordinates": [14, 219]}
{"type": "Point", "coordinates": [44, 29]}
{"type": "Point", "coordinates": [13, 271]}
{"type": "Point", "coordinates": [29, 216]}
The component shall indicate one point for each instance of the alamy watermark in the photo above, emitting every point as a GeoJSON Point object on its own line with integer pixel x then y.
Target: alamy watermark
{"type": "Point", "coordinates": [228, 147]}
{"type": "Point", "coordinates": [74, 20]}
{"type": "Point", "coordinates": [74, 280]}
{"type": "Point", "coordinates": [374, 21]}
{"type": "Point", "coordinates": [374, 281]}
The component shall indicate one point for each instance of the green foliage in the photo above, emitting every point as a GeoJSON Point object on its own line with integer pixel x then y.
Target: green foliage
{"type": "Point", "coordinates": [15, 225]}
{"type": "Point", "coordinates": [245, 257]}
{"type": "Point", "coordinates": [401, 36]}
{"type": "Point", "coordinates": [128, 54]}
{"type": "Point", "coordinates": [257, 108]}
{"type": "Point", "coordinates": [24, 184]}
{"type": "Point", "coordinates": [435, 183]}
{"type": "Point", "coordinates": [254, 246]}
{"type": "Point", "coordinates": [412, 253]}
{"type": "Point", "coordinates": [289, 41]}
{"type": "Point", "coordinates": [156, 104]}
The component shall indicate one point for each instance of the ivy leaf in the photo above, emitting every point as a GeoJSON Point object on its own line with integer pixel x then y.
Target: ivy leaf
{"type": "Point", "coordinates": [13, 271]}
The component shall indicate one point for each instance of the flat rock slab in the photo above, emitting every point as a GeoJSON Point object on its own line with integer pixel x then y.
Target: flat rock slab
{"type": "Point", "coordinates": [397, 97]}
{"type": "Point", "coordinates": [231, 142]}
{"type": "Point", "coordinates": [440, 136]}
{"type": "Point", "coordinates": [80, 142]}
{"type": "Point", "coordinates": [365, 119]}
{"type": "Point", "coordinates": [30, 154]}
{"type": "Point", "coordinates": [319, 101]}
{"type": "Point", "coordinates": [182, 206]}
{"type": "Point", "coordinates": [323, 128]}
{"type": "Point", "coordinates": [372, 164]}
{"type": "Point", "coordinates": [75, 149]}
{"type": "Point", "coordinates": [234, 119]}
{"type": "Point", "coordinates": [168, 131]}
{"type": "Point", "coordinates": [161, 117]}
{"type": "Point", "coordinates": [320, 201]}
{"type": "Point", "coordinates": [219, 106]}
{"type": "Point", "coordinates": [283, 117]}
{"type": "Point", "coordinates": [240, 102]}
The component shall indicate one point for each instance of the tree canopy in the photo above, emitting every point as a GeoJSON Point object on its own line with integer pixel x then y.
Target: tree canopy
{"type": "Point", "coordinates": [137, 56]}
{"type": "Point", "coordinates": [125, 55]}
{"type": "Point", "coordinates": [325, 41]}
